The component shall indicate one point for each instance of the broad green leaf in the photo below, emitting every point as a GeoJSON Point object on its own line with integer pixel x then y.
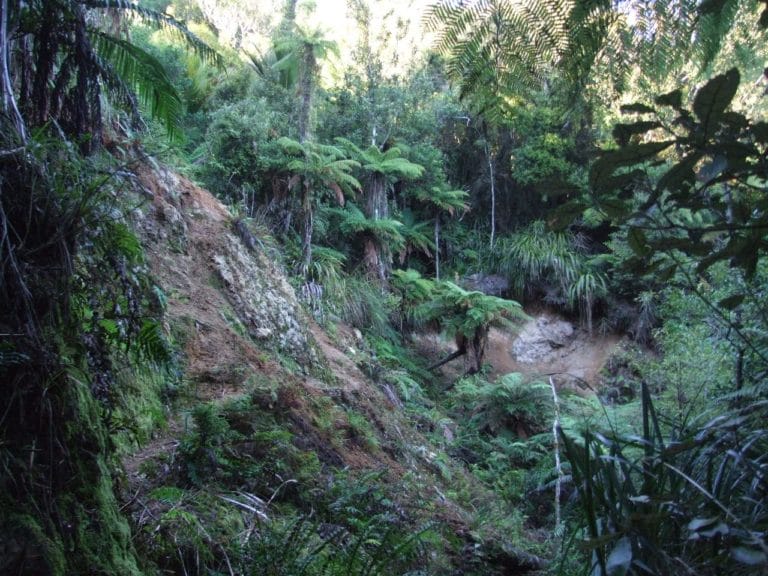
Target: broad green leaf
{"type": "Point", "coordinates": [614, 208]}
{"type": "Point", "coordinates": [623, 132]}
{"type": "Point", "coordinates": [637, 241]}
{"type": "Point", "coordinates": [666, 273]}
{"type": "Point", "coordinates": [673, 99]}
{"type": "Point", "coordinates": [714, 97]}
{"type": "Point", "coordinates": [637, 107]}
{"type": "Point", "coordinates": [680, 174]}
{"type": "Point", "coordinates": [620, 558]}
{"type": "Point", "coordinates": [749, 556]}
{"type": "Point", "coordinates": [731, 302]}
{"type": "Point", "coordinates": [566, 214]}
{"type": "Point", "coordinates": [609, 162]}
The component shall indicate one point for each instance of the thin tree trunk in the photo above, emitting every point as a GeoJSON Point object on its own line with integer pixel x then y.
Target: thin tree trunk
{"type": "Point", "coordinates": [451, 356]}
{"type": "Point", "coordinates": [558, 465]}
{"type": "Point", "coordinates": [306, 88]}
{"type": "Point", "coordinates": [6, 85]}
{"type": "Point", "coordinates": [437, 247]}
{"type": "Point", "coordinates": [492, 178]}
{"type": "Point", "coordinates": [306, 244]}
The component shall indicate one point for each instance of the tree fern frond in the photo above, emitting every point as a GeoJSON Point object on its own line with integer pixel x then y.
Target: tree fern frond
{"type": "Point", "coordinates": [144, 73]}
{"type": "Point", "coordinates": [160, 20]}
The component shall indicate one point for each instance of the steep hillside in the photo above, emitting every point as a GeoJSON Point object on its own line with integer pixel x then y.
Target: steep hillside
{"type": "Point", "coordinates": [279, 430]}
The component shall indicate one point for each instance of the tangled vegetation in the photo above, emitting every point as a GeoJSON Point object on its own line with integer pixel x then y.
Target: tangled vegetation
{"type": "Point", "coordinates": [298, 380]}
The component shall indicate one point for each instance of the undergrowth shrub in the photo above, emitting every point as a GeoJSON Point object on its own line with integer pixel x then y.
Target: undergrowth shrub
{"type": "Point", "coordinates": [239, 446]}
{"type": "Point", "coordinates": [376, 547]}
{"type": "Point", "coordinates": [690, 499]}
{"type": "Point", "coordinates": [364, 305]}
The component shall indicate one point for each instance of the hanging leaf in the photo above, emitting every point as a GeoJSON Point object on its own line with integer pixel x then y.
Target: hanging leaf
{"type": "Point", "coordinates": [680, 177]}
{"type": "Point", "coordinates": [637, 241]}
{"type": "Point", "coordinates": [673, 99]}
{"type": "Point", "coordinates": [731, 302]}
{"type": "Point", "coordinates": [620, 558]}
{"type": "Point", "coordinates": [713, 98]}
{"type": "Point", "coordinates": [623, 132]}
{"type": "Point", "coordinates": [749, 556]}
{"type": "Point", "coordinates": [638, 108]}
{"type": "Point", "coordinates": [566, 214]}
{"type": "Point", "coordinates": [609, 162]}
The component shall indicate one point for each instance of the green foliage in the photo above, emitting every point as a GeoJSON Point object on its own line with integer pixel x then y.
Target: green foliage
{"type": "Point", "coordinates": [542, 160]}
{"type": "Point", "coordinates": [386, 230]}
{"type": "Point", "coordinates": [414, 290]}
{"type": "Point", "coordinates": [376, 547]}
{"type": "Point", "coordinates": [229, 445]}
{"type": "Point", "coordinates": [710, 184]}
{"type": "Point", "coordinates": [244, 155]}
{"type": "Point", "coordinates": [702, 206]}
{"type": "Point", "coordinates": [708, 475]}
{"type": "Point", "coordinates": [72, 58]}
{"type": "Point", "coordinates": [463, 312]}
{"type": "Point", "coordinates": [189, 531]}
{"type": "Point", "coordinates": [389, 163]}
{"type": "Point", "coordinates": [321, 166]}
{"type": "Point", "coordinates": [509, 406]}
{"type": "Point", "coordinates": [536, 258]}
{"type": "Point", "coordinates": [498, 51]}
{"type": "Point", "coordinates": [136, 68]}
{"type": "Point", "coordinates": [317, 168]}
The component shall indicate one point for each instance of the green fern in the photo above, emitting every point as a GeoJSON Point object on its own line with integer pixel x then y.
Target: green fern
{"type": "Point", "coordinates": [152, 344]}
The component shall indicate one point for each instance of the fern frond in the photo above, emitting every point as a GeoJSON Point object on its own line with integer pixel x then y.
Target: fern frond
{"type": "Point", "coordinates": [131, 65]}
{"type": "Point", "coordinates": [160, 20]}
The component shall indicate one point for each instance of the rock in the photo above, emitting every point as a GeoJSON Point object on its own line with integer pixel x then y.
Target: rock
{"type": "Point", "coordinates": [539, 339]}
{"type": "Point", "coordinates": [262, 299]}
{"type": "Point", "coordinates": [489, 284]}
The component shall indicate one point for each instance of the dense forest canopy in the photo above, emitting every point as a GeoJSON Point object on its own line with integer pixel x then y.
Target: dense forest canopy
{"type": "Point", "coordinates": [394, 173]}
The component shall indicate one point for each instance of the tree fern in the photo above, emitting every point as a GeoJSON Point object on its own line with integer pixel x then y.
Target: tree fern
{"type": "Point", "coordinates": [70, 57]}
{"type": "Point", "coordinates": [498, 50]}
{"type": "Point", "coordinates": [386, 230]}
{"type": "Point", "coordinates": [317, 170]}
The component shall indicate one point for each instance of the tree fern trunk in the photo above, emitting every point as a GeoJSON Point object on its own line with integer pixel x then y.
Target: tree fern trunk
{"type": "Point", "coordinates": [377, 208]}
{"type": "Point", "coordinates": [376, 200]}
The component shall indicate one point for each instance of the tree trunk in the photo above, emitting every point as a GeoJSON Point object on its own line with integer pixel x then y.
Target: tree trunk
{"type": "Point", "coordinates": [377, 208]}
{"type": "Point", "coordinates": [492, 178]}
{"type": "Point", "coordinates": [376, 267]}
{"type": "Point", "coordinates": [437, 247]}
{"type": "Point", "coordinates": [376, 201]}
{"type": "Point", "coordinates": [306, 240]}
{"type": "Point", "coordinates": [306, 88]}
{"type": "Point", "coordinates": [6, 85]}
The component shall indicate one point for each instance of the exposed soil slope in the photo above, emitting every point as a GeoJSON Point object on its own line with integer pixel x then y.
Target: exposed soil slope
{"type": "Point", "coordinates": [546, 345]}
{"type": "Point", "coordinates": [242, 332]}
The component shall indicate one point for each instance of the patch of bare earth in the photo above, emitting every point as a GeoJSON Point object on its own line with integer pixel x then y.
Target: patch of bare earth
{"type": "Point", "coordinates": [547, 345]}
{"type": "Point", "coordinates": [183, 231]}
